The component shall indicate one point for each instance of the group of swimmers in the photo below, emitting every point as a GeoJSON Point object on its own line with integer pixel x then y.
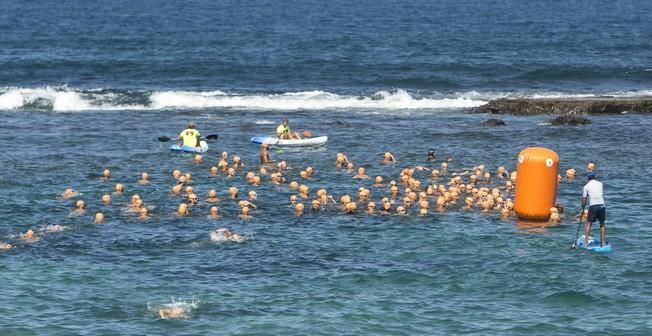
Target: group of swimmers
{"type": "Point", "coordinates": [418, 189]}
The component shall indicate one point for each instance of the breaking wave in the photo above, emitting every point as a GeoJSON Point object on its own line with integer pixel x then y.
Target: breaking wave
{"type": "Point", "coordinates": [68, 99]}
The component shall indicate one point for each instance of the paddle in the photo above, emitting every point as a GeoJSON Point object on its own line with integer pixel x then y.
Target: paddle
{"type": "Point", "coordinates": [208, 137]}
{"type": "Point", "coordinates": [578, 230]}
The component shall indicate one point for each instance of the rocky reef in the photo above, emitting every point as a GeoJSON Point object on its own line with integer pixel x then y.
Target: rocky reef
{"type": "Point", "coordinates": [579, 106]}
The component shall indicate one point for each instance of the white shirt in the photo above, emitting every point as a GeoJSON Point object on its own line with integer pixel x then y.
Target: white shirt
{"type": "Point", "coordinates": [593, 191]}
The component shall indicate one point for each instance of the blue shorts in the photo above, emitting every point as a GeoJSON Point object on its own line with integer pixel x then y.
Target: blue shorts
{"type": "Point", "coordinates": [598, 213]}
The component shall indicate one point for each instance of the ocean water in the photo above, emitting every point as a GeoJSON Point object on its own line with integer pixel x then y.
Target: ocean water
{"type": "Point", "coordinates": [87, 86]}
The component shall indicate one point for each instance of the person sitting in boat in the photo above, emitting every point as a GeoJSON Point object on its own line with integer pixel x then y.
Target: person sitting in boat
{"type": "Point", "coordinates": [190, 136]}
{"type": "Point", "coordinates": [283, 131]}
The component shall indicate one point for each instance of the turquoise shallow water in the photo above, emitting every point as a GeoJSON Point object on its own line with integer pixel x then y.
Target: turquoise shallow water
{"type": "Point", "coordinates": [324, 273]}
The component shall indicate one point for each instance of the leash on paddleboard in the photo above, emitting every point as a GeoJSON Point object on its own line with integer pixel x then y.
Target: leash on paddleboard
{"type": "Point", "coordinates": [578, 230]}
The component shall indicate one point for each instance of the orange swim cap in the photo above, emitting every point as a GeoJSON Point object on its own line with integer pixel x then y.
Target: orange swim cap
{"type": "Point", "coordinates": [307, 134]}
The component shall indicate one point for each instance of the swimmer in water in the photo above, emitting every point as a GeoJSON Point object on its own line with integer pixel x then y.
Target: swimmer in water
{"type": "Point", "coordinates": [223, 165]}
{"type": "Point", "coordinates": [199, 159]}
{"type": "Point", "coordinates": [189, 190]}
{"type": "Point", "coordinates": [344, 200]}
{"type": "Point", "coordinates": [99, 218]}
{"type": "Point", "coordinates": [29, 236]}
{"type": "Point", "coordinates": [237, 163]}
{"type": "Point", "coordinates": [468, 203]}
{"type": "Point", "coordinates": [315, 205]}
{"type": "Point", "coordinates": [119, 189]}
{"type": "Point", "coordinates": [264, 154]}
{"type": "Point", "coordinates": [361, 174]}
{"type": "Point", "coordinates": [143, 213]}
{"type": "Point", "coordinates": [400, 211]}
{"type": "Point", "coordinates": [213, 171]}
{"type": "Point", "coordinates": [388, 157]}
{"type": "Point", "coordinates": [214, 213]}
{"type": "Point", "coordinates": [505, 212]}
{"type": "Point", "coordinates": [444, 168]}
{"type": "Point", "coordinates": [212, 197]}
{"type": "Point", "coordinates": [54, 228]}
{"type": "Point", "coordinates": [177, 189]}
{"type": "Point", "coordinates": [349, 167]}
{"type": "Point", "coordinates": [252, 195]}
{"type": "Point", "coordinates": [341, 160]}
{"type": "Point", "coordinates": [69, 193]}
{"type": "Point", "coordinates": [434, 174]}
{"type": "Point", "coordinates": [80, 208]}
{"type": "Point", "coordinates": [233, 192]}
{"type": "Point", "coordinates": [282, 166]}
{"type": "Point", "coordinates": [144, 178]}
{"type": "Point", "coordinates": [5, 246]}
{"type": "Point", "coordinates": [293, 185]}
{"type": "Point", "coordinates": [570, 175]}
{"type": "Point", "coordinates": [591, 166]}
{"type": "Point", "coordinates": [223, 234]}
{"type": "Point", "coordinates": [293, 200]}
{"type": "Point", "coordinates": [256, 181]}
{"type": "Point", "coordinates": [387, 206]}
{"type": "Point", "coordinates": [303, 174]}
{"type": "Point", "coordinates": [304, 191]}
{"type": "Point", "coordinates": [244, 213]}
{"type": "Point", "coordinates": [183, 209]}
{"type": "Point", "coordinates": [176, 174]}
{"type": "Point", "coordinates": [487, 177]}
{"type": "Point", "coordinates": [106, 199]}
{"type": "Point", "coordinates": [554, 215]}
{"type": "Point", "coordinates": [262, 171]}
{"type": "Point", "coordinates": [431, 156]}
{"type": "Point", "coordinates": [298, 209]}
{"type": "Point", "coordinates": [193, 199]}
{"type": "Point", "coordinates": [172, 313]}
{"type": "Point", "coordinates": [309, 171]}
{"type": "Point", "coordinates": [106, 174]}
{"type": "Point", "coordinates": [501, 172]}
{"type": "Point", "coordinates": [351, 208]}
{"type": "Point", "coordinates": [246, 203]}
{"type": "Point", "coordinates": [371, 208]}
{"type": "Point", "coordinates": [378, 182]}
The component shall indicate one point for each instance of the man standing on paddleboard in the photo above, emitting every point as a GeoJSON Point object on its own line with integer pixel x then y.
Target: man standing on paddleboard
{"type": "Point", "coordinates": [593, 192]}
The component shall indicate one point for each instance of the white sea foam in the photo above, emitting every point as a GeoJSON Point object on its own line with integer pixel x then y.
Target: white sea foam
{"type": "Point", "coordinates": [264, 122]}
{"type": "Point", "coordinates": [58, 98]}
{"type": "Point", "coordinates": [307, 100]}
{"type": "Point", "coordinates": [175, 310]}
{"type": "Point", "coordinates": [11, 100]}
{"type": "Point", "coordinates": [69, 99]}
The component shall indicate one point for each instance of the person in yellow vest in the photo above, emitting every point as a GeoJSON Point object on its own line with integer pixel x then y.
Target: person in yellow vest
{"type": "Point", "coordinates": [190, 136]}
{"type": "Point", "coordinates": [283, 131]}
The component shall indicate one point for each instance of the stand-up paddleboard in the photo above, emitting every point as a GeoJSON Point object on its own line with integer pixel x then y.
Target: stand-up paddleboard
{"type": "Point", "coordinates": [203, 147]}
{"type": "Point", "coordinates": [306, 142]}
{"type": "Point", "coordinates": [594, 245]}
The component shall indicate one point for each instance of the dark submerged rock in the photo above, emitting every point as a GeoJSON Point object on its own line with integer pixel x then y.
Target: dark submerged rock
{"type": "Point", "coordinates": [494, 122]}
{"type": "Point", "coordinates": [563, 106]}
{"type": "Point", "coordinates": [570, 120]}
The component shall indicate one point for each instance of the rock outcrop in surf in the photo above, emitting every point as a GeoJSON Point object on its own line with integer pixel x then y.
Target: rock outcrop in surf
{"type": "Point", "coordinates": [578, 106]}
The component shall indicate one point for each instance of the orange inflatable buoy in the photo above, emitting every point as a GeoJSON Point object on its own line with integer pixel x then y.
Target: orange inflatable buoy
{"type": "Point", "coordinates": [536, 183]}
{"type": "Point", "coordinates": [307, 134]}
